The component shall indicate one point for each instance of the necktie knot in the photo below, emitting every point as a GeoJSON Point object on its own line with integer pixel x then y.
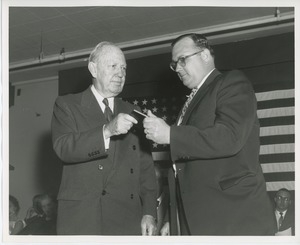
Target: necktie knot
{"type": "Point", "coordinates": [105, 101]}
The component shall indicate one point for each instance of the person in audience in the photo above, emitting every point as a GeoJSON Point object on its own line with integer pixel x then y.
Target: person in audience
{"type": "Point", "coordinates": [15, 224]}
{"type": "Point", "coordinates": [108, 183]}
{"type": "Point", "coordinates": [218, 184]}
{"type": "Point", "coordinates": [41, 217]}
{"type": "Point", "coordinates": [284, 213]}
{"type": "Point", "coordinates": [35, 209]}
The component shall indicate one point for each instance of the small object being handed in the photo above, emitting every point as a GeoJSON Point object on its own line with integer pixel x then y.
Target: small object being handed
{"type": "Point", "coordinates": [139, 116]}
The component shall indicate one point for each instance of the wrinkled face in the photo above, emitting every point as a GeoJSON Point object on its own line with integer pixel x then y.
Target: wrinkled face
{"type": "Point", "coordinates": [109, 71]}
{"type": "Point", "coordinates": [282, 200]}
{"type": "Point", "coordinates": [194, 70]}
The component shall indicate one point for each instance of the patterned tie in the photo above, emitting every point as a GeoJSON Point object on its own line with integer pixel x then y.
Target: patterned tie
{"type": "Point", "coordinates": [107, 112]}
{"type": "Point", "coordinates": [280, 220]}
{"type": "Point", "coordinates": [186, 104]}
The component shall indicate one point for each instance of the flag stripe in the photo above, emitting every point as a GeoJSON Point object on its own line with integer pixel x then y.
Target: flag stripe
{"type": "Point", "coordinates": [284, 157]}
{"type": "Point", "coordinates": [276, 112]}
{"type": "Point", "coordinates": [161, 156]}
{"type": "Point", "coordinates": [274, 86]}
{"type": "Point", "coordinates": [275, 103]}
{"type": "Point", "coordinates": [275, 94]}
{"type": "Point", "coordinates": [264, 122]}
{"type": "Point", "coordinates": [277, 130]}
{"type": "Point", "coordinates": [276, 185]}
{"type": "Point", "coordinates": [277, 148]}
{"type": "Point", "coordinates": [283, 176]}
{"type": "Point", "coordinates": [278, 167]}
{"type": "Point", "coordinates": [277, 139]}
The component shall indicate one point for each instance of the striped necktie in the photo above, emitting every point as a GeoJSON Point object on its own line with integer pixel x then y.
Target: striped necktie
{"type": "Point", "coordinates": [280, 220]}
{"type": "Point", "coordinates": [186, 105]}
{"type": "Point", "coordinates": [107, 112]}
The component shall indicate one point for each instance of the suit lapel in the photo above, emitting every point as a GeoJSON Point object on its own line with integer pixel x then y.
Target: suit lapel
{"type": "Point", "coordinates": [92, 110]}
{"type": "Point", "coordinates": [200, 94]}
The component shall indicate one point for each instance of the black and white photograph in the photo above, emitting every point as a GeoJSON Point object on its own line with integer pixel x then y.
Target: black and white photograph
{"type": "Point", "coordinates": [129, 122]}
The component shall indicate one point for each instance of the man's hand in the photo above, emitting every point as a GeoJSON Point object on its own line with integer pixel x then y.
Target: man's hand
{"type": "Point", "coordinates": [156, 129]}
{"type": "Point", "coordinates": [148, 225]}
{"type": "Point", "coordinates": [165, 230]}
{"type": "Point", "coordinates": [30, 213]}
{"type": "Point", "coordinates": [121, 124]}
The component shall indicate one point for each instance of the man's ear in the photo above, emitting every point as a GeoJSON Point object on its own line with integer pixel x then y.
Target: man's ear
{"type": "Point", "coordinates": [92, 69]}
{"type": "Point", "coordinates": [205, 55]}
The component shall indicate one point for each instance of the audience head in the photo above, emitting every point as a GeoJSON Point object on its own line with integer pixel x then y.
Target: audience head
{"type": "Point", "coordinates": [282, 199]}
{"type": "Point", "coordinates": [14, 206]}
{"type": "Point", "coordinates": [45, 205]}
{"type": "Point", "coordinates": [192, 58]}
{"type": "Point", "coordinates": [107, 65]}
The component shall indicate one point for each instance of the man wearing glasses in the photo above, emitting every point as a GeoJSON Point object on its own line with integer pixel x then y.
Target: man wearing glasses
{"type": "Point", "coordinates": [284, 213]}
{"type": "Point", "coordinates": [214, 145]}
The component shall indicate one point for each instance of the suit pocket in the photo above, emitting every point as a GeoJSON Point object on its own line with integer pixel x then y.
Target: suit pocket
{"type": "Point", "coordinates": [228, 183]}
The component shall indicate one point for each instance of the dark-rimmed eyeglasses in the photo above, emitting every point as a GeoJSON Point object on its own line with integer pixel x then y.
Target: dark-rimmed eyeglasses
{"type": "Point", "coordinates": [181, 61]}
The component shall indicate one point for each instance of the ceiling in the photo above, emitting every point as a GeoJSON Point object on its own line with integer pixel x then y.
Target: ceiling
{"type": "Point", "coordinates": [46, 31]}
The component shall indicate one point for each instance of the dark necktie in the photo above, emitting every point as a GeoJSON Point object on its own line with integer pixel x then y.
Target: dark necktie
{"type": "Point", "coordinates": [107, 111]}
{"type": "Point", "coordinates": [280, 220]}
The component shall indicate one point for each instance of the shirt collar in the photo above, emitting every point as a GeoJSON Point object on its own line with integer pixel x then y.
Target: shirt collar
{"type": "Point", "coordinates": [283, 212]}
{"type": "Point", "coordinates": [100, 98]}
{"type": "Point", "coordinates": [203, 80]}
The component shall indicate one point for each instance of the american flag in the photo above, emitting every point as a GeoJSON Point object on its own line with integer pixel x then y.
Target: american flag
{"type": "Point", "coordinates": [275, 110]}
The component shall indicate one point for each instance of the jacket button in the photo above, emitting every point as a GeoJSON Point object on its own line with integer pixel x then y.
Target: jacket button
{"type": "Point", "coordinates": [131, 196]}
{"type": "Point", "coordinates": [100, 167]}
{"type": "Point", "coordinates": [103, 192]}
{"type": "Point", "coordinates": [131, 170]}
{"type": "Point", "coordinates": [133, 147]}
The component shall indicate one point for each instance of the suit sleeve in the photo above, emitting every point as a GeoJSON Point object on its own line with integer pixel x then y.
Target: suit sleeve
{"type": "Point", "coordinates": [71, 144]}
{"type": "Point", "coordinates": [235, 117]}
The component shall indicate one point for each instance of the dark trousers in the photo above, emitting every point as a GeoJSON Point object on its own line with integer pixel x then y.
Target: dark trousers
{"type": "Point", "coordinates": [184, 227]}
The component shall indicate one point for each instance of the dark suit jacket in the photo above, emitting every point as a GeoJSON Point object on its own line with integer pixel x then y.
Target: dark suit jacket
{"type": "Point", "coordinates": [101, 192]}
{"type": "Point", "coordinates": [289, 220]}
{"type": "Point", "coordinates": [216, 151]}
{"type": "Point", "coordinates": [39, 226]}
